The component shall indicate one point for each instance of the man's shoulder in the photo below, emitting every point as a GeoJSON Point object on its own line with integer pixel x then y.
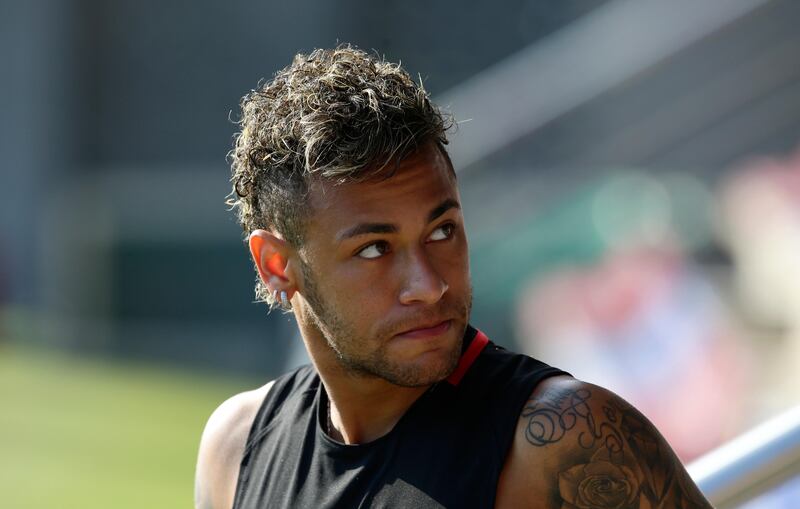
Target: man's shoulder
{"type": "Point", "coordinates": [501, 363]}
{"type": "Point", "coordinates": [506, 378]}
{"type": "Point", "coordinates": [225, 436]}
{"type": "Point", "coordinates": [222, 446]}
{"type": "Point", "coordinates": [233, 417]}
{"type": "Point", "coordinates": [579, 443]}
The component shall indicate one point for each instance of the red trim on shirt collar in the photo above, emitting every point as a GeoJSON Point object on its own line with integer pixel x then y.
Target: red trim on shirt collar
{"type": "Point", "coordinates": [473, 351]}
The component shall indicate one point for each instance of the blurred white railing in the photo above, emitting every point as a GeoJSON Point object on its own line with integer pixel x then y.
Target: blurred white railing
{"type": "Point", "coordinates": [752, 463]}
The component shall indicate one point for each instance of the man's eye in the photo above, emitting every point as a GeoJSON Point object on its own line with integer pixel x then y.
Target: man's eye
{"type": "Point", "coordinates": [443, 232]}
{"type": "Point", "coordinates": [375, 250]}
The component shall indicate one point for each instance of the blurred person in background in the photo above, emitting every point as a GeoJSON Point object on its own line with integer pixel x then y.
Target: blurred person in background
{"type": "Point", "coordinates": [759, 209]}
{"type": "Point", "coordinates": [644, 322]}
{"type": "Point", "coordinates": [352, 213]}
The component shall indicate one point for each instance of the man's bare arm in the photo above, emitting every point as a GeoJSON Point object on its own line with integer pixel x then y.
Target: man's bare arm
{"type": "Point", "coordinates": [579, 446]}
{"type": "Point", "coordinates": [221, 448]}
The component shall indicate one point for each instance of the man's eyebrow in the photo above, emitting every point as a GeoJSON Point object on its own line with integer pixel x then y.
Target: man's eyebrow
{"type": "Point", "coordinates": [442, 208]}
{"type": "Point", "coordinates": [365, 229]}
{"type": "Point", "coordinates": [372, 228]}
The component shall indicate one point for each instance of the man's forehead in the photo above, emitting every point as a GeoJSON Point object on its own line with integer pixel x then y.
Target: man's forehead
{"type": "Point", "coordinates": [423, 178]}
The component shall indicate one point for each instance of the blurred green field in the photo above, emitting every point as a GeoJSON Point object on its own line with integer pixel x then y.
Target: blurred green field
{"type": "Point", "coordinates": [78, 433]}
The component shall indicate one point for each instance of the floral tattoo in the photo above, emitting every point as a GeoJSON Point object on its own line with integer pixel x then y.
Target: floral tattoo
{"type": "Point", "coordinates": [625, 464]}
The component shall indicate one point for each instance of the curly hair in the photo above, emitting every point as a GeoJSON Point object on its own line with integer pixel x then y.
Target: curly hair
{"type": "Point", "coordinates": [337, 114]}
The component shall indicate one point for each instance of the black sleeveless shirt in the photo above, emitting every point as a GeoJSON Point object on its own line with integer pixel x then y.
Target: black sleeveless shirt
{"type": "Point", "coordinates": [446, 451]}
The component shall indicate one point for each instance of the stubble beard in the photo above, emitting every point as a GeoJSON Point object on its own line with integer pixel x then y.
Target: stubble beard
{"type": "Point", "coordinates": [347, 342]}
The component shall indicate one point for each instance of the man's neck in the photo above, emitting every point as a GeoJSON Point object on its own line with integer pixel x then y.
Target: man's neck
{"type": "Point", "coordinates": [368, 413]}
{"type": "Point", "coordinates": [362, 408]}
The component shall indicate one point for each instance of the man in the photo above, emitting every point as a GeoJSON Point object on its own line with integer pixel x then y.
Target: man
{"type": "Point", "coordinates": [353, 216]}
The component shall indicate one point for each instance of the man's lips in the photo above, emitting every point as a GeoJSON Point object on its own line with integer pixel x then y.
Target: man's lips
{"type": "Point", "coordinates": [427, 331]}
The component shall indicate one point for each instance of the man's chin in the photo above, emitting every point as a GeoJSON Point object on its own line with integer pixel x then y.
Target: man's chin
{"type": "Point", "coordinates": [428, 369]}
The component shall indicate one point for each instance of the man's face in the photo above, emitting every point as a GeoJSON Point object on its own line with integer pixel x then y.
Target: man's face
{"type": "Point", "coordinates": [386, 257]}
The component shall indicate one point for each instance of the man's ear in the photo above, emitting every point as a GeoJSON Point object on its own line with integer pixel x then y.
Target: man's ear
{"type": "Point", "coordinates": [271, 255]}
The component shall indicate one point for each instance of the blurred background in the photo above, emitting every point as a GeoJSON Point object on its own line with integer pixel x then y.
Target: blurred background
{"type": "Point", "coordinates": [630, 173]}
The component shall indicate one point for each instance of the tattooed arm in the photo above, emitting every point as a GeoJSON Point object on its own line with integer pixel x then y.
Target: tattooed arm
{"type": "Point", "coordinates": [579, 446]}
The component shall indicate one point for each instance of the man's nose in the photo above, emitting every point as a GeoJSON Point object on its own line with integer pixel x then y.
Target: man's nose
{"type": "Point", "coordinates": [423, 284]}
